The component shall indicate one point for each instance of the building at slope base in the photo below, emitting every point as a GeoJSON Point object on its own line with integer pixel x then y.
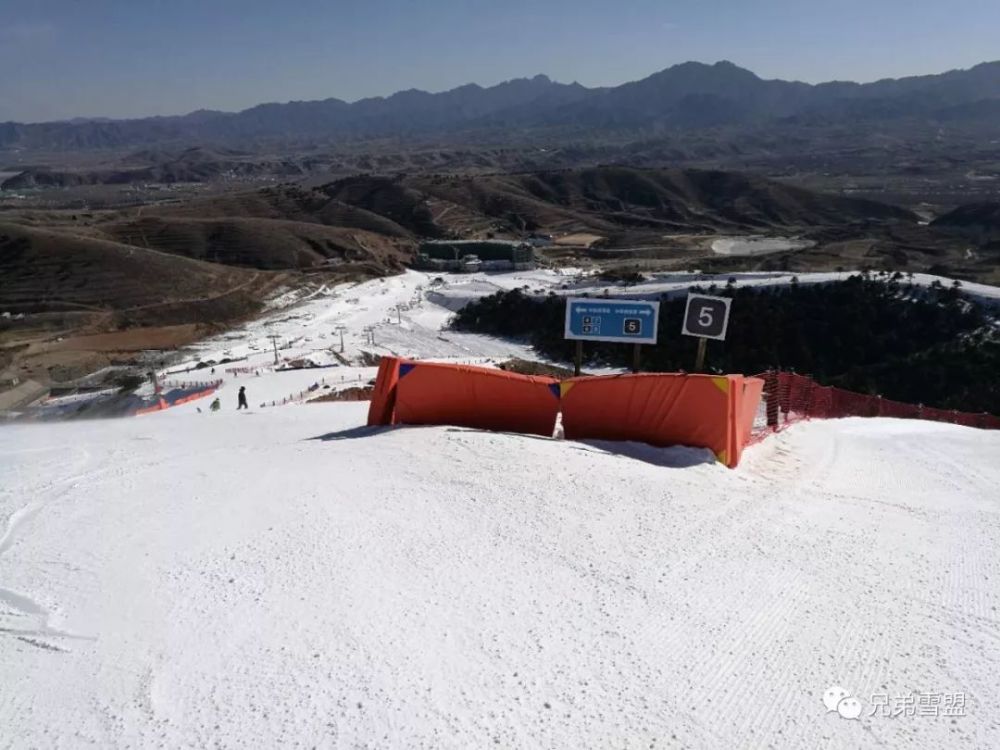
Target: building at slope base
{"type": "Point", "coordinates": [469, 256]}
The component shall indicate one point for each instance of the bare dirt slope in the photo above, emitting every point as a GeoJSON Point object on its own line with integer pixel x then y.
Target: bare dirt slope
{"type": "Point", "coordinates": [608, 199]}
{"type": "Point", "coordinates": [68, 286]}
{"type": "Point", "coordinates": [258, 242]}
{"type": "Point", "coordinates": [52, 270]}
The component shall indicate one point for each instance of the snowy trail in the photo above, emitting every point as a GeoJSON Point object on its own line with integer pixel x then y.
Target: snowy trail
{"type": "Point", "coordinates": [288, 577]}
{"type": "Point", "coordinates": [17, 518]}
{"type": "Point", "coordinates": [27, 616]}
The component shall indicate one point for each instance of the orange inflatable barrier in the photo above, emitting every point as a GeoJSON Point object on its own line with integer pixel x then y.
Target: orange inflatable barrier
{"type": "Point", "coordinates": [714, 412]}
{"type": "Point", "coordinates": [431, 393]}
{"type": "Point", "coordinates": [383, 403]}
{"type": "Point", "coordinates": [747, 408]}
{"type": "Point", "coordinates": [660, 409]}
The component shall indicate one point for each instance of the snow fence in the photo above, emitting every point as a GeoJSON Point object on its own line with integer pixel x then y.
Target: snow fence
{"type": "Point", "coordinates": [660, 409]}
{"type": "Point", "coordinates": [183, 394]}
{"type": "Point", "coordinates": [791, 398]}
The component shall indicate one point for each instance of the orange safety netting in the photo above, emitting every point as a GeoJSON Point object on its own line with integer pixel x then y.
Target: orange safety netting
{"type": "Point", "coordinates": [790, 398]}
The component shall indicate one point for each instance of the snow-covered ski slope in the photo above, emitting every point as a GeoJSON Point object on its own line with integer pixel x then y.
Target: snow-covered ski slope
{"type": "Point", "coordinates": [288, 578]}
{"type": "Point", "coordinates": [408, 314]}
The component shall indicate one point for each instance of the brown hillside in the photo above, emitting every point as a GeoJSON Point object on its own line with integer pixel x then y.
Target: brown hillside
{"type": "Point", "coordinates": [393, 199]}
{"type": "Point", "coordinates": [607, 200]}
{"type": "Point", "coordinates": [287, 202]}
{"type": "Point", "coordinates": [282, 202]}
{"type": "Point", "coordinates": [260, 242]}
{"type": "Point", "coordinates": [44, 270]}
{"type": "Point", "coordinates": [674, 199]}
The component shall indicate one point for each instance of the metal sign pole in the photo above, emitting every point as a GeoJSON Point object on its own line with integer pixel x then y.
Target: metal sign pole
{"type": "Point", "coordinates": [699, 361]}
{"type": "Point", "coordinates": [636, 354]}
{"type": "Point", "coordinates": [706, 317]}
{"type": "Point", "coordinates": [578, 359]}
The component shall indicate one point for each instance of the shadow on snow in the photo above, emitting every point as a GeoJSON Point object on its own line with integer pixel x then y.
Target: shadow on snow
{"type": "Point", "coordinates": [674, 457]}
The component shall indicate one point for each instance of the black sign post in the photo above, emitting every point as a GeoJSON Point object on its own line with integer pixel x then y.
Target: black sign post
{"type": "Point", "coordinates": [705, 317]}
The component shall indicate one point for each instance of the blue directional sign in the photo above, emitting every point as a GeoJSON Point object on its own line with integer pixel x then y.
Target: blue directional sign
{"type": "Point", "coordinates": [627, 321]}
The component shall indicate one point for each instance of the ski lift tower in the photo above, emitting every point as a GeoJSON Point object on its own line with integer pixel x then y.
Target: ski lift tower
{"type": "Point", "coordinates": [274, 341]}
{"type": "Point", "coordinates": [340, 330]}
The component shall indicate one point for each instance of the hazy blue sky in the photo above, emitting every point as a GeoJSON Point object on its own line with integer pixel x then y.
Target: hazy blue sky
{"type": "Point", "coordinates": [65, 58]}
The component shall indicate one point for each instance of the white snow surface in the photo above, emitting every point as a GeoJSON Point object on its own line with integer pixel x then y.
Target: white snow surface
{"type": "Point", "coordinates": [288, 578]}
{"type": "Point", "coordinates": [757, 245]}
{"type": "Point", "coordinates": [191, 579]}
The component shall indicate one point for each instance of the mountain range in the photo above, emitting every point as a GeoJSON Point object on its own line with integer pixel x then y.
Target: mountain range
{"type": "Point", "coordinates": [684, 97]}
